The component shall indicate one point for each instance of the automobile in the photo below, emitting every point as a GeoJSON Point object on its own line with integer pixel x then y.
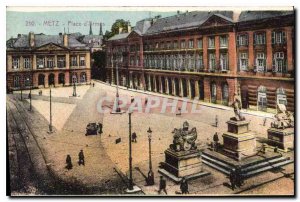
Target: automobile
{"type": "Point", "coordinates": [92, 129]}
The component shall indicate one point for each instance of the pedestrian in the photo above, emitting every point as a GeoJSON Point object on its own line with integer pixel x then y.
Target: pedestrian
{"type": "Point", "coordinates": [162, 185]}
{"type": "Point", "coordinates": [232, 179]}
{"type": "Point", "coordinates": [133, 137]}
{"type": "Point", "coordinates": [29, 96]}
{"type": "Point", "coordinates": [81, 158]}
{"type": "Point", "coordinates": [239, 177]}
{"type": "Point", "coordinates": [184, 187]}
{"type": "Point", "coordinates": [216, 141]}
{"type": "Point", "coordinates": [216, 121]}
{"type": "Point", "coordinates": [179, 111]}
{"type": "Point", "coordinates": [146, 101]}
{"type": "Point", "coordinates": [69, 162]}
{"type": "Point", "coordinates": [93, 84]}
{"type": "Point", "coordinates": [132, 99]}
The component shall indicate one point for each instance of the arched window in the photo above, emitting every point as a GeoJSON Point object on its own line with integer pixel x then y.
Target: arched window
{"type": "Point", "coordinates": [51, 79]}
{"type": "Point", "coordinates": [225, 94]}
{"type": "Point", "coordinates": [83, 77]}
{"type": "Point", "coordinates": [41, 79]}
{"type": "Point", "coordinates": [27, 80]}
{"type": "Point", "coordinates": [262, 98]}
{"type": "Point", "coordinates": [61, 78]}
{"type": "Point", "coordinates": [281, 96]}
{"type": "Point", "coordinates": [16, 81]}
{"type": "Point", "coordinates": [213, 91]}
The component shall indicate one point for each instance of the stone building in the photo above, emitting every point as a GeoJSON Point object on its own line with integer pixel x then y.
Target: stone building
{"type": "Point", "coordinates": [210, 56]}
{"type": "Point", "coordinates": [40, 60]}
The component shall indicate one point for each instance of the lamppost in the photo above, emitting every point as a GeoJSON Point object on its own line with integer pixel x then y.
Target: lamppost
{"type": "Point", "coordinates": [130, 185]}
{"type": "Point", "coordinates": [30, 106]}
{"type": "Point", "coordinates": [150, 179]}
{"type": "Point", "coordinates": [117, 107]}
{"type": "Point", "coordinates": [50, 124]}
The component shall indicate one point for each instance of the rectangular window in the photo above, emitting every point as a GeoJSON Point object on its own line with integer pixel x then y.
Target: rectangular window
{"type": "Point", "coordinates": [211, 42]}
{"type": "Point", "coordinates": [191, 43]}
{"type": "Point", "coordinates": [73, 60]}
{"type": "Point", "coordinates": [61, 61]}
{"type": "Point", "coordinates": [199, 43]}
{"type": "Point", "coordinates": [224, 61]}
{"type": "Point", "coordinates": [156, 45]}
{"type": "Point", "coordinates": [27, 62]}
{"type": "Point", "coordinates": [137, 63]}
{"type": "Point", "coordinates": [15, 63]}
{"type": "Point", "coordinates": [279, 64]}
{"type": "Point", "coordinates": [82, 60]}
{"type": "Point", "coordinates": [16, 81]}
{"type": "Point", "coordinates": [260, 62]}
{"type": "Point", "coordinates": [223, 41]}
{"type": "Point", "coordinates": [41, 62]}
{"type": "Point", "coordinates": [182, 44]}
{"type": "Point", "coordinates": [243, 61]}
{"type": "Point", "coordinates": [260, 38]}
{"type": "Point", "coordinates": [175, 44]}
{"type": "Point", "coordinates": [199, 62]}
{"type": "Point", "coordinates": [162, 45]}
{"type": "Point", "coordinates": [212, 61]}
{"type": "Point", "coordinates": [50, 62]}
{"type": "Point", "coordinates": [242, 40]}
{"type": "Point", "coordinates": [27, 80]}
{"type": "Point", "coordinates": [278, 37]}
{"type": "Point", "coordinates": [169, 45]}
{"type": "Point", "coordinates": [131, 60]}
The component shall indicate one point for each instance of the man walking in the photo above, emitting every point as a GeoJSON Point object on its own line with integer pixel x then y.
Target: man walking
{"type": "Point", "coordinates": [81, 158]}
{"type": "Point", "coordinates": [216, 141]}
{"type": "Point", "coordinates": [133, 137]}
{"type": "Point", "coordinates": [69, 162]}
{"type": "Point", "coordinates": [184, 187]}
{"type": "Point", "coordinates": [162, 185]}
{"type": "Point", "coordinates": [232, 179]}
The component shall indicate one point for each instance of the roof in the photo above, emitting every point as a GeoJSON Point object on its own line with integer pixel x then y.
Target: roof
{"type": "Point", "coordinates": [258, 15]}
{"type": "Point", "coordinates": [186, 20]}
{"type": "Point", "coordinates": [142, 26]}
{"type": "Point", "coordinates": [119, 37]}
{"type": "Point", "coordinates": [42, 39]}
{"type": "Point", "coordinates": [91, 38]}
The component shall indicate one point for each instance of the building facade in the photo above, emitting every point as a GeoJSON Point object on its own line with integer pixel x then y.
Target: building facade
{"type": "Point", "coordinates": [210, 56]}
{"type": "Point", "coordinates": [38, 61]}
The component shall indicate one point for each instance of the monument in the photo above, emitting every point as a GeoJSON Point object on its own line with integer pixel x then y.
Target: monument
{"type": "Point", "coordinates": [281, 133]}
{"type": "Point", "coordinates": [182, 158]}
{"type": "Point", "coordinates": [238, 141]}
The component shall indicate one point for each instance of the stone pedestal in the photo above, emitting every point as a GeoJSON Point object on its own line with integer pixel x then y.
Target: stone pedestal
{"type": "Point", "coordinates": [281, 138]}
{"type": "Point", "coordinates": [239, 142]}
{"type": "Point", "coordinates": [181, 164]}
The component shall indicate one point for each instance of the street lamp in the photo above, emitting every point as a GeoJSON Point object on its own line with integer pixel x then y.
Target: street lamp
{"type": "Point", "coordinates": [130, 186]}
{"type": "Point", "coordinates": [117, 107]}
{"type": "Point", "coordinates": [50, 124]}
{"type": "Point", "coordinates": [150, 179]}
{"type": "Point", "coordinates": [30, 106]}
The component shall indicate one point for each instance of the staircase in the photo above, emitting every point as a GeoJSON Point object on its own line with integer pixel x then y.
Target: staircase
{"type": "Point", "coordinates": [249, 167]}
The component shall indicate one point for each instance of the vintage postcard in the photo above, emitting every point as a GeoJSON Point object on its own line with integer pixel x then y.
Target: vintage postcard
{"type": "Point", "coordinates": [150, 101]}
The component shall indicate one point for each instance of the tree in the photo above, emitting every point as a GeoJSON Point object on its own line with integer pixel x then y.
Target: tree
{"type": "Point", "coordinates": [120, 23]}
{"type": "Point", "coordinates": [98, 69]}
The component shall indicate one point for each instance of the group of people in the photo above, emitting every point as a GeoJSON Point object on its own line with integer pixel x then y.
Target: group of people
{"type": "Point", "coordinates": [81, 161]}
{"type": "Point", "coordinates": [184, 187]}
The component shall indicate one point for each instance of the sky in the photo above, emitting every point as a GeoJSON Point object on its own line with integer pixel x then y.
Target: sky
{"type": "Point", "coordinates": [53, 22]}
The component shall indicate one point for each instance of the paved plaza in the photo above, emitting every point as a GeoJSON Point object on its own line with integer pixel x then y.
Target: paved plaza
{"type": "Point", "coordinates": [107, 162]}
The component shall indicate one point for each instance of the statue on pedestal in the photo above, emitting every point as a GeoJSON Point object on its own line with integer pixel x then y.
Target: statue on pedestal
{"type": "Point", "coordinates": [237, 106]}
{"type": "Point", "coordinates": [184, 139]}
{"type": "Point", "coordinates": [283, 118]}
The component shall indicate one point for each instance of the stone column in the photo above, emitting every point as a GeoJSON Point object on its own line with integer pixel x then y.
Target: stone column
{"type": "Point", "coordinates": [269, 50]}
{"type": "Point", "coordinates": [155, 86]}
{"type": "Point", "coordinates": [34, 62]}
{"type": "Point", "coordinates": [55, 62]}
{"type": "Point", "coordinates": [189, 88]}
{"type": "Point", "coordinates": [206, 83]}
{"type": "Point", "coordinates": [160, 85]}
{"type": "Point", "coordinates": [173, 86]}
{"type": "Point", "coordinates": [219, 92]}
{"type": "Point", "coordinates": [46, 80]}
{"type": "Point", "coordinates": [180, 88]}
{"type": "Point", "coordinates": [205, 59]}
{"type": "Point", "coordinates": [67, 78]}
{"type": "Point", "coordinates": [149, 83]}
{"type": "Point", "coordinates": [251, 50]}
{"type": "Point", "coordinates": [197, 95]}
{"type": "Point", "coordinates": [289, 51]}
{"type": "Point", "coordinates": [130, 80]}
{"type": "Point", "coordinates": [78, 60]}
{"type": "Point", "coordinates": [67, 61]}
{"type": "Point", "coordinates": [167, 86]}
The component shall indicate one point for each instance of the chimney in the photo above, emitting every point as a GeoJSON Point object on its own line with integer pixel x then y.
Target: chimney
{"type": "Point", "coordinates": [66, 40]}
{"type": "Point", "coordinates": [120, 30]}
{"type": "Point", "coordinates": [31, 39]}
{"type": "Point", "coordinates": [128, 27]}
